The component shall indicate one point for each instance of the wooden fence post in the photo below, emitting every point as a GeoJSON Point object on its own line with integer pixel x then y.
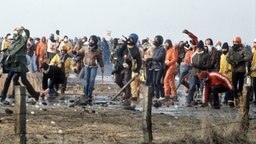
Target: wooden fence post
{"type": "Point", "coordinates": [147, 109]}
{"type": "Point", "coordinates": [243, 116]}
{"type": "Point", "coordinates": [20, 115]}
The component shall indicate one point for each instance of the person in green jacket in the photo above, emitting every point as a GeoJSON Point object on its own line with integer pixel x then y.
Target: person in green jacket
{"type": "Point", "coordinates": [17, 63]}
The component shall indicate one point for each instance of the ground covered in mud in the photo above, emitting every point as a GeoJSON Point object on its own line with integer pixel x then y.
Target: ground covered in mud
{"type": "Point", "coordinates": [57, 123]}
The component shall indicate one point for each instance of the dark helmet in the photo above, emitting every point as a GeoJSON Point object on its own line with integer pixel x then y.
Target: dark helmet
{"type": "Point", "coordinates": [158, 40]}
{"type": "Point", "coordinates": [133, 38]}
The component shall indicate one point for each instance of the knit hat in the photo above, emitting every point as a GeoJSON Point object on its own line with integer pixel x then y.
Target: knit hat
{"type": "Point", "coordinates": [200, 44]}
{"type": "Point", "coordinates": [225, 45]}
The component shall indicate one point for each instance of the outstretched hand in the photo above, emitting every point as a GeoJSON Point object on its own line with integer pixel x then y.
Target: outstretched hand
{"type": "Point", "coordinates": [185, 31]}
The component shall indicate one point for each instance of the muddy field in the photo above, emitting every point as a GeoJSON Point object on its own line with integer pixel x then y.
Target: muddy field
{"type": "Point", "coordinates": [57, 123]}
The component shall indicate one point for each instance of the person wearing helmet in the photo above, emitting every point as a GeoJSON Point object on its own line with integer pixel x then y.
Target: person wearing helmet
{"type": "Point", "coordinates": [132, 64]}
{"type": "Point", "coordinates": [92, 58]}
{"type": "Point", "coordinates": [237, 56]}
{"type": "Point", "coordinates": [158, 66]}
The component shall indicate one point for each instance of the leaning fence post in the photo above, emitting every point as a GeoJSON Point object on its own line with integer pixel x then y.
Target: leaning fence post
{"type": "Point", "coordinates": [147, 108]}
{"type": "Point", "coordinates": [20, 115]}
{"type": "Point", "coordinates": [243, 116]}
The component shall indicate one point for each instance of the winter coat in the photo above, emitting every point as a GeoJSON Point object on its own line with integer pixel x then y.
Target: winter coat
{"type": "Point", "coordinates": [64, 62]}
{"type": "Point", "coordinates": [92, 57]}
{"type": "Point", "coordinates": [55, 74]}
{"type": "Point", "coordinates": [187, 59]}
{"type": "Point", "coordinates": [238, 59]}
{"type": "Point", "coordinates": [158, 57]}
{"type": "Point", "coordinates": [133, 58]}
{"type": "Point", "coordinates": [215, 59]}
{"type": "Point", "coordinates": [17, 53]}
{"type": "Point", "coordinates": [200, 61]}
{"type": "Point", "coordinates": [225, 67]}
{"type": "Point", "coordinates": [215, 79]}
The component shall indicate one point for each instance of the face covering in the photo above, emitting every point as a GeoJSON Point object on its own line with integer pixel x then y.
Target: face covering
{"type": "Point", "coordinates": [65, 40]}
{"type": "Point", "coordinates": [218, 47]}
{"type": "Point", "coordinates": [235, 46]}
{"type": "Point", "coordinates": [209, 48]}
{"type": "Point", "coordinates": [224, 52]}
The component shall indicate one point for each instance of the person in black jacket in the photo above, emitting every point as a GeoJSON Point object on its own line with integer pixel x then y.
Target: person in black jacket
{"type": "Point", "coordinates": [56, 76]}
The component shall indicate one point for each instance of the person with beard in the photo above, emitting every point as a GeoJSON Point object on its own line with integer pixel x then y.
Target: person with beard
{"type": "Point", "coordinates": [92, 58]}
{"type": "Point", "coordinates": [65, 62]}
{"type": "Point", "coordinates": [18, 62]}
{"type": "Point", "coordinates": [132, 64]}
{"type": "Point", "coordinates": [237, 56]}
{"type": "Point", "coordinates": [169, 79]}
{"type": "Point", "coordinates": [253, 70]}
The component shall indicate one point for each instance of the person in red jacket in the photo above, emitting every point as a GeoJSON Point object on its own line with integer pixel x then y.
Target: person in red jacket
{"type": "Point", "coordinates": [214, 83]}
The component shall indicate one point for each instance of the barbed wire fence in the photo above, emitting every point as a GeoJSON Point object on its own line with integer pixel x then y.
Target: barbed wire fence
{"type": "Point", "coordinates": [63, 123]}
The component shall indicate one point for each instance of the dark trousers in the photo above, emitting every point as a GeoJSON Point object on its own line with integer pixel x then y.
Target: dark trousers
{"type": "Point", "coordinates": [157, 84]}
{"type": "Point", "coordinates": [220, 89]}
{"type": "Point", "coordinates": [127, 77]}
{"type": "Point", "coordinates": [238, 82]}
{"type": "Point", "coordinates": [24, 80]}
{"type": "Point", "coordinates": [119, 77]}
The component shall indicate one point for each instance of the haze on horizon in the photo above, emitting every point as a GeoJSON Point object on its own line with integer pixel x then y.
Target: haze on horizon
{"type": "Point", "coordinates": [217, 19]}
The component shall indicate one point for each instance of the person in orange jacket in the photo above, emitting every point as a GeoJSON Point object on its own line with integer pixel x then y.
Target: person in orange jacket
{"type": "Point", "coordinates": [171, 70]}
{"type": "Point", "coordinates": [41, 51]}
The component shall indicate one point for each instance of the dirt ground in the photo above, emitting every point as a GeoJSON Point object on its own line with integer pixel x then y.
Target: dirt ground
{"type": "Point", "coordinates": [58, 124]}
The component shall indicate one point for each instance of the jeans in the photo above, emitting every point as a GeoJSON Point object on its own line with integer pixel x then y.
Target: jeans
{"type": "Point", "coordinates": [157, 85]}
{"type": "Point", "coordinates": [193, 82]}
{"type": "Point", "coordinates": [184, 70]}
{"type": "Point", "coordinates": [87, 77]}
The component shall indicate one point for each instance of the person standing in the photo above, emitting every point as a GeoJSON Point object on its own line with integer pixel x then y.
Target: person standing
{"type": "Point", "coordinates": [237, 57]}
{"type": "Point", "coordinates": [171, 71]}
{"type": "Point", "coordinates": [18, 63]}
{"type": "Point", "coordinates": [92, 58]}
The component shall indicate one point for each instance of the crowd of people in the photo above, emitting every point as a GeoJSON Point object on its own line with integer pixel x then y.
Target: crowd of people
{"type": "Point", "coordinates": [204, 68]}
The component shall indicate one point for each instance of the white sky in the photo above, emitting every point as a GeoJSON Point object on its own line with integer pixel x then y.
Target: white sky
{"type": "Point", "coordinates": [218, 19]}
